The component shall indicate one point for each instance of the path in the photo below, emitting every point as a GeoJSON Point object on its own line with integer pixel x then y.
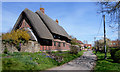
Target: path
{"type": "Point", "coordinates": [85, 62]}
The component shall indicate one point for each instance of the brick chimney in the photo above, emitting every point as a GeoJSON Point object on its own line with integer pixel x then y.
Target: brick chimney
{"type": "Point", "coordinates": [56, 21]}
{"type": "Point", "coordinates": [42, 10]}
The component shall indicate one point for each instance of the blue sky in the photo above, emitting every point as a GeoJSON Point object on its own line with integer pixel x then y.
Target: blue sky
{"type": "Point", "coordinates": [79, 19]}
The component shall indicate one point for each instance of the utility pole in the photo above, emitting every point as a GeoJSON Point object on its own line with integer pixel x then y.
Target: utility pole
{"type": "Point", "coordinates": [119, 26]}
{"type": "Point", "coordinates": [105, 38]}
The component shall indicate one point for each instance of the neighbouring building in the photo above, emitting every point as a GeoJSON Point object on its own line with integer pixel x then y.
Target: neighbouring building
{"type": "Point", "coordinates": [114, 43]}
{"type": "Point", "coordinates": [84, 45]}
{"type": "Point", "coordinates": [81, 44]}
{"type": "Point", "coordinates": [88, 46]}
{"type": "Point", "coordinates": [47, 32]}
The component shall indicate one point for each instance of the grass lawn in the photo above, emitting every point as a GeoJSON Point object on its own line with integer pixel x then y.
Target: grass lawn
{"type": "Point", "coordinates": [107, 65]}
{"type": "Point", "coordinates": [34, 61]}
{"type": "Point", "coordinates": [0, 65]}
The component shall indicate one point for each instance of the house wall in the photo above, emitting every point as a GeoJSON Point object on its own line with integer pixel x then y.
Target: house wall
{"type": "Point", "coordinates": [114, 43]}
{"type": "Point", "coordinates": [56, 47]}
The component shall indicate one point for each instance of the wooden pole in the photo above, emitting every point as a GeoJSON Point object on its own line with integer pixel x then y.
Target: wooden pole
{"type": "Point", "coordinates": [105, 38]}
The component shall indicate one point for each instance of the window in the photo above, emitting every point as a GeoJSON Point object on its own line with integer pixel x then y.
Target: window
{"type": "Point", "coordinates": [111, 43]}
{"type": "Point", "coordinates": [114, 43]}
{"type": "Point", "coordinates": [43, 48]}
{"type": "Point", "coordinates": [58, 44]}
{"type": "Point", "coordinates": [59, 37]}
{"type": "Point", "coordinates": [63, 44]}
{"type": "Point", "coordinates": [54, 36]}
{"type": "Point", "coordinates": [54, 43]}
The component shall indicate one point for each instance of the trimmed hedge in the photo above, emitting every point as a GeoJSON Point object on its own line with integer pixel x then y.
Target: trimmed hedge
{"type": "Point", "coordinates": [113, 52]}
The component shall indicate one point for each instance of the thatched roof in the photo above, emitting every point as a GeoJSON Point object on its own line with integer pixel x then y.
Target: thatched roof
{"type": "Point", "coordinates": [43, 27]}
{"type": "Point", "coordinates": [52, 25]}
{"type": "Point", "coordinates": [36, 24]}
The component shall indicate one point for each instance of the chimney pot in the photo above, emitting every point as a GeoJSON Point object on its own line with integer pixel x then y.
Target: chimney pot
{"type": "Point", "coordinates": [42, 10]}
{"type": "Point", "coordinates": [56, 21]}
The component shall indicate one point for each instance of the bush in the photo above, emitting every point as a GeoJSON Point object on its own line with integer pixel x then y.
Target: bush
{"type": "Point", "coordinates": [117, 56]}
{"type": "Point", "coordinates": [74, 49]}
{"type": "Point", "coordinates": [16, 36]}
{"type": "Point", "coordinates": [113, 51]}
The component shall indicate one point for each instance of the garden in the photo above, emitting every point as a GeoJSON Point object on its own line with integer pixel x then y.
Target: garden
{"type": "Point", "coordinates": [36, 61]}
{"type": "Point", "coordinates": [26, 61]}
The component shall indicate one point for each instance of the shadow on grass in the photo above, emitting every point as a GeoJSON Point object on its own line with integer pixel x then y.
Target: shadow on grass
{"type": "Point", "coordinates": [109, 59]}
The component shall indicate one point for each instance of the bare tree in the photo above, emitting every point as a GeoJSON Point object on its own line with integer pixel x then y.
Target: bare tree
{"type": "Point", "coordinates": [112, 11]}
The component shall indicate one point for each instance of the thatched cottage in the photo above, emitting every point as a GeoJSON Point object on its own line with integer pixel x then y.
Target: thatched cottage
{"type": "Point", "coordinates": [47, 32]}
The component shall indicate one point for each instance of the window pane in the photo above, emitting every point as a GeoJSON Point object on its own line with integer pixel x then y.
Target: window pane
{"type": "Point", "coordinates": [54, 43]}
{"type": "Point", "coordinates": [63, 44]}
{"type": "Point", "coordinates": [58, 44]}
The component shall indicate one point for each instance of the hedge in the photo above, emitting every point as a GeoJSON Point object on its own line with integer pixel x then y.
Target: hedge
{"type": "Point", "coordinates": [113, 52]}
{"type": "Point", "coordinates": [117, 56]}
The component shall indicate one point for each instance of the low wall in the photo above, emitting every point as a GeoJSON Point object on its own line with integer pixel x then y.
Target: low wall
{"type": "Point", "coordinates": [31, 46]}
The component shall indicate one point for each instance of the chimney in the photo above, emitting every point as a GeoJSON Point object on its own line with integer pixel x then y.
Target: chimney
{"type": "Point", "coordinates": [42, 10]}
{"type": "Point", "coordinates": [56, 21]}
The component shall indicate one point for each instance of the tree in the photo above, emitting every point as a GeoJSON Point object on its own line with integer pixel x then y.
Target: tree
{"type": "Point", "coordinates": [74, 41]}
{"type": "Point", "coordinates": [99, 44]}
{"type": "Point", "coordinates": [112, 11]}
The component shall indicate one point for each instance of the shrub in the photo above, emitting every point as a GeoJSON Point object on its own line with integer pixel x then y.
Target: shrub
{"type": "Point", "coordinates": [113, 51]}
{"type": "Point", "coordinates": [16, 36]}
{"type": "Point", "coordinates": [74, 49]}
{"type": "Point", "coordinates": [117, 56]}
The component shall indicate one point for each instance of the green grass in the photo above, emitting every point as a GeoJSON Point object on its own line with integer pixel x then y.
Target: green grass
{"type": "Point", "coordinates": [0, 62]}
{"type": "Point", "coordinates": [0, 65]}
{"type": "Point", "coordinates": [34, 61]}
{"type": "Point", "coordinates": [27, 61]}
{"type": "Point", "coordinates": [106, 65]}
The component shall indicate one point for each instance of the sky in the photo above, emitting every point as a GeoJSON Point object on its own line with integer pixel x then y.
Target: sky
{"type": "Point", "coordinates": [79, 19]}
